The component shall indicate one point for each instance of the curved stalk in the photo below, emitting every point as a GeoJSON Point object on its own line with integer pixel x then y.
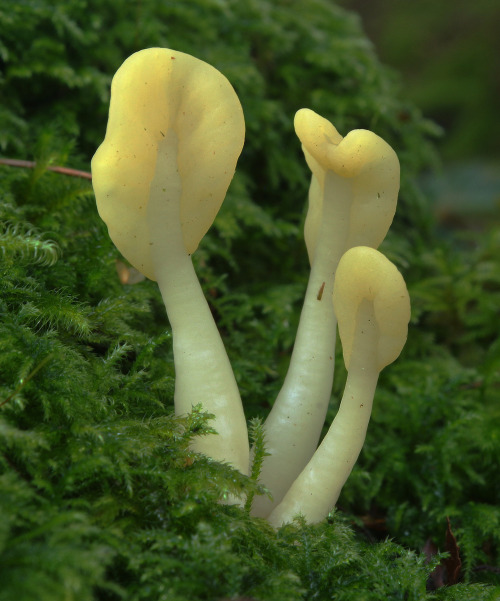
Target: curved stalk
{"type": "Point", "coordinates": [203, 372]}
{"type": "Point", "coordinates": [316, 490]}
{"type": "Point", "coordinates": [293, 427]}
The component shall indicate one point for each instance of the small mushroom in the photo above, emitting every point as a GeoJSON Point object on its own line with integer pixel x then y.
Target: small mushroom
{"type": "Point", "coordinates": [352, 201]}
{"type": "Point", "coordinates": [364, 275]}
{"type": "Point", "coordinates": [174, 135]}
{"type": "Point", "coordinates": [373, 310]}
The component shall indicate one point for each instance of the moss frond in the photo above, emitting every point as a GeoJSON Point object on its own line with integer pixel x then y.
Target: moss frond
{"type": "Point", "coordinates": [256, 434]}
{"type": "Point", "coordinates": [23, 243]}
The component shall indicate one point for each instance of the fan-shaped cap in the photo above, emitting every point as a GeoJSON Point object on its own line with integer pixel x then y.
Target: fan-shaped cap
{"type": "Point", "coordinates": [363, 158]}
{"type": "Point", "coordinates": [364, 273]}
{"type": "Point", "coordinates": [162, 98]}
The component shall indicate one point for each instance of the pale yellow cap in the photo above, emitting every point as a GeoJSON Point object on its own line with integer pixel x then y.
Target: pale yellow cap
{"type": "Point", "coordinates": [157, 92]}
{"type": "Point", "coordinates": [364, 273]}
{"type": "Point", "coordinates": [363, 159]}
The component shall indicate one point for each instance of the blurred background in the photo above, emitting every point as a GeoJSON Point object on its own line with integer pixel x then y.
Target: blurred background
{"type": "Point", "coordinates": [448, 56]}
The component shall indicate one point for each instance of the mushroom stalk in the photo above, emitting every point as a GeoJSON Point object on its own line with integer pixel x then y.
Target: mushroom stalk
{"type": "Point", "coordinates": [316, 490]}
{"type": "Point", "coordinates": [293, 427]}
{"type": "Point", "coordinates": [203, 372]}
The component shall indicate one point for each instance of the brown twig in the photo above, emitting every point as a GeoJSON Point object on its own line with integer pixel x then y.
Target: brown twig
{"type": "Point", "coordinates": [32, 165]}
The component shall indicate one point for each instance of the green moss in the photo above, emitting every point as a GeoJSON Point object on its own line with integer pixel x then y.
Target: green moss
{"type": "Point", "coordinates": [99, 494]}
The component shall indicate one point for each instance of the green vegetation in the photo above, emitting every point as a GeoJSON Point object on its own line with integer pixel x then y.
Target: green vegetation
{"type": "Point", "coordinates": [100, 496]}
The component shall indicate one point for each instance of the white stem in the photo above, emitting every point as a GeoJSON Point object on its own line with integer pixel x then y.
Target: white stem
{"type": "Point", "coordinates": [293, 427]}
{"type": "Point", "coordinates": [203, 372]}
{"type": "Point", "coordinates": [316, 490]}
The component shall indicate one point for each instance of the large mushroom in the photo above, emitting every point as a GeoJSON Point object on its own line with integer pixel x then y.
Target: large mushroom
{"type": "Point", "coordinates": [174, 135]}
{"type": "Point", "coordinates": [352, 201]}
{"type": "Point", "coordinates": [373, 310]}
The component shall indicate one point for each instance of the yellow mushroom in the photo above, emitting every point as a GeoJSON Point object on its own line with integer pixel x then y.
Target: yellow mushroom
{"type": "Point", "coordinates": [365, 275]}
{"type": "Point", "coordinates": [373, 310]}
{"type": "Point", "coordinates": [352, 201]}
{"type": "Point", "coordinates": [174, 135]}
{"type": "Point", "coordinates": [362, 159]}
{"type": "Point", "coordinates": [170, 105]}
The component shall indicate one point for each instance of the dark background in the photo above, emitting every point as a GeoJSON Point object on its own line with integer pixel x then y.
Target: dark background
{"type": "Point", "coordinates": [447, 54]}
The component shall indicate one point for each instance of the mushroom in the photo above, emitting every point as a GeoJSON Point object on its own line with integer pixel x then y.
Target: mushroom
{"type": "Point", "coordinates": [352, 201]}
{"type": "Point", "coordinates": [373, 310]}
{"type": "Point", "coordinates": [174, 135]}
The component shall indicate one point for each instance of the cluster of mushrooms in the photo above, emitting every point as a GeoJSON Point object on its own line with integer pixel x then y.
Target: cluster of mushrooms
{"type": "Point", "coordinates": [174, 135]}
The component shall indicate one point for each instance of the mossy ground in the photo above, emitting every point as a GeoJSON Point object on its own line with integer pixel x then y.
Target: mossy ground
{"type": "Point", "coordinates": [100, 496]}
